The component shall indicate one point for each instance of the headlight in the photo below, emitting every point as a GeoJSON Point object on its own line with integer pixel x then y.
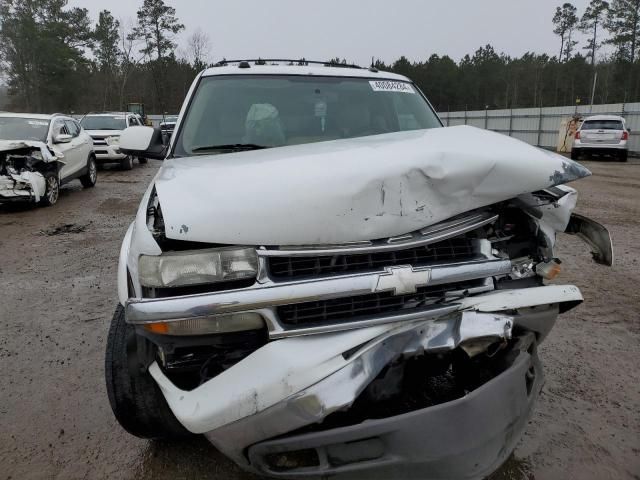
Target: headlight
{"type": "Point", "coordinates": [197, 267]}
{"type": "Point", "coordinates": [113, 141]}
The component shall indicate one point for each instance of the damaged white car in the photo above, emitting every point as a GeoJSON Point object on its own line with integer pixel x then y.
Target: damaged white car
{"type": "Point", "coordinates": [325, 281]}
{"type": "Point", "coordinates": [38, 153]}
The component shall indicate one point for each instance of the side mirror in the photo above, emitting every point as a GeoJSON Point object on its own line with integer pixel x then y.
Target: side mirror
{"type": "Point", "coordinates": [62, 138]}
{"type": "Point", "coordinates": [144, 142]}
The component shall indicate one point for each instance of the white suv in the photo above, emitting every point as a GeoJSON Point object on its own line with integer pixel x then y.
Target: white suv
{"type": "Point", "coordinates": [38, 153]}
{"type": "Point", "coordinates": [602, 134]}
{"type": "Point", "coordinates": [324, 280]}
{"type": "Point", "coordinates": [105, 130]}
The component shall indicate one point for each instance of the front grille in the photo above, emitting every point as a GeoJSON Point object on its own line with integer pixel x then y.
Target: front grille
{"type": "Point", "coordinates": [362, 306]}
{"type": "Point", "coordinates": [452, 250]}
{"type": "Point", "coordinates": [99, 140]}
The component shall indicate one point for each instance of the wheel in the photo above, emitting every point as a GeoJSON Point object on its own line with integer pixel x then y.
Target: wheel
{"type": "Point", "coordinates": [52, 189]}
{"type": "Point", "coordinates": [623, 155]}
{"type": "Point", "coordinates": [575, 154]}
{"type": "Point", "coordinates": [135, 398]}
{"type": "Point", "coordinates": [142, 161]}
{"type": "Point", "coordinates": [126, 163]}
{"type": "Point", "coordinates": [91, 177]}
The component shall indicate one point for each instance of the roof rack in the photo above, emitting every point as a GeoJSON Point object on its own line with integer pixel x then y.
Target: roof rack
{"type": "Point", "coordinates": [246, 63]}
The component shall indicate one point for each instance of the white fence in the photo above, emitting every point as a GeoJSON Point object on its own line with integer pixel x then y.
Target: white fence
{"type": "Point", "coordinates": [541, 126]}
{"type": "Point", "coordinates": [537, 126]}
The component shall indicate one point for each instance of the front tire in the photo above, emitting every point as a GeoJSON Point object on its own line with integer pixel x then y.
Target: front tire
{"type": "Point", "coordinates": [135, 398]}
{"type": "Point", "coordinates": [91, 177]}
{"type": "Point", "coordinates": [142, 161]}
{"type": "Point", "coordinates": [126, 163]}
{"type": "Point", "coordinates": [52, 189]}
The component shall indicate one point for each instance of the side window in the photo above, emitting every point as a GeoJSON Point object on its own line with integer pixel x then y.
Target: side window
{"type": "Point", "coordinates": [72, 128]}
{"type": "Point", "coordinates": [133, 122]}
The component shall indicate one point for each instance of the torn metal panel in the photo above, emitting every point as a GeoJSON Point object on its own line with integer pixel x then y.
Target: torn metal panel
{"type": "Point", "coordinates": [286, 367]}
{"type": "Point", "coordinates": [26, 184]}
{"type": "Point", "coordinates": [595, 235]}
{"type": "Point", "coordinates": [551, 216]}
{"type": "Point", "coordinates": [47, 154]}
{"type": "Point", "coordinates": [350, 190]}
{"type": "Point", "coordinates": [329, 391]}
{"type": "Point", "coordinates": [291, 366]}
{"type": "Point", "coordinates": [524, 297]}
{"type": "Point", "coordinates": [22, 167]}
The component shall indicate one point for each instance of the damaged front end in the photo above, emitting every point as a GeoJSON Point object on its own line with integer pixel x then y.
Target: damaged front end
{"type": "Point", "coordinates": [23, 170]}
{"type": "Point", "coordinates": [413, 356]}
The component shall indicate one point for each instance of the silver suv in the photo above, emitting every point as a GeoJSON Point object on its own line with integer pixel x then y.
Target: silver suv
{"type": "Point", "coordinates": [323, 280]}
{"type": "Point", "coordinates": [602, 134]}
{"type": "Point", "coordinates": [105, 129]}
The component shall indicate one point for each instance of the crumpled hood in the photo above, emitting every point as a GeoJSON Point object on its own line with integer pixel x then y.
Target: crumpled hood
{"type": "Point", "coordinates": [349, 190]}
{"type": "Point", "coordinates": [47, 155]}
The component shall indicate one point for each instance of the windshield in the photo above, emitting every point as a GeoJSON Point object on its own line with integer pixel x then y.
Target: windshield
{"type": "Point", "coordinates": [104, 122]}
{"type": "Point", "coordinates": [602, 125]}
{"type": "Point", "coordinates": [272, 111]}
{"type": "Point", "coordinates": [14, 128]}
{"type": "Point", "coordinates": [170, 119]}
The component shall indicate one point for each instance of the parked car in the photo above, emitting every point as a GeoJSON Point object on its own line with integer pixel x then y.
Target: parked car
{"type": "Point", "coordinates": [168, 124]}
{"type": "Point", "coordinates": [602, 134]}
{"type": "Point", "coordinates": [323, 280]}
{"type": "Point", "coordinates": [105, 129]}
{"type": "Point", "coordinates": [38, 153]}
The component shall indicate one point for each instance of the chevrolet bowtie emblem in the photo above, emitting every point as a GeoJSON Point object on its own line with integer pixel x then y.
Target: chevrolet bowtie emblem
{"type": "Point", "coordinates": [402, 280]}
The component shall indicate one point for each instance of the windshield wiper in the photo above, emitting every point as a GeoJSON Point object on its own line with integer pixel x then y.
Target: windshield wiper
{"type": "Point", "coordinates": [239, 147]}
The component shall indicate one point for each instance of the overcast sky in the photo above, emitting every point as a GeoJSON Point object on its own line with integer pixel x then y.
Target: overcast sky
{"type": "Point", "coordinates": [359, 29]}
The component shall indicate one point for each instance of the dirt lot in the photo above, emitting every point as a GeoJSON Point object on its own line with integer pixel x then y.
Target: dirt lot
{"type": "Point", "coordinates": [57, 278]}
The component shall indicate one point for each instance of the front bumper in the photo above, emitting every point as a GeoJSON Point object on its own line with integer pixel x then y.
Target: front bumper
{"type": "Point", "coordinates": [24, 187]}
{"type": "Point", "coordinates": [600, 147]}
{"type": "Point", "coordinates": [108, 153]}
{"type": "Point", "coordinates": [465, 438]}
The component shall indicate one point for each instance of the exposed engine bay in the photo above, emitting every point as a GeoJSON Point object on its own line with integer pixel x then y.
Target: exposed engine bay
{"type": "Point", "coordinates": [23, 167]}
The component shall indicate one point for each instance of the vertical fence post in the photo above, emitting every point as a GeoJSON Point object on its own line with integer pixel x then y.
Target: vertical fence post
{"type": "Point", "coordinates": [539, 127]}
{"type": "Point", "coordinates": [465, 114]}
{"type": "Point", "coordinates": [448, 114]}
{"type": "Point", "coordinates": [510, 122]}
{"type": "Point", "coordinates": [486, 117]}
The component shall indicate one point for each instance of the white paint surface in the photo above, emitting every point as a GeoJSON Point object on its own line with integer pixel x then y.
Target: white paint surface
{"type": "Point", "coordinates": [348, 190]}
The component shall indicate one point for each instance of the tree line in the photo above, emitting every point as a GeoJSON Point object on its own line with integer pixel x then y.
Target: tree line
{"type": "Point", "coordinates": [53, 58]}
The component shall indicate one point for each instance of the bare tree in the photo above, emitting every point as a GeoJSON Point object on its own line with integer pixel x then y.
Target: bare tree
{"type": "Point", "coordinates": [130, 56]}
{"type": "Point", "coordinates": [199, 49]}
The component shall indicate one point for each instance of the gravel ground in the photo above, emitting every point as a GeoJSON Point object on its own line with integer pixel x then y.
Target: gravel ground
{"type": "Point", "coordinates": [57, 278]}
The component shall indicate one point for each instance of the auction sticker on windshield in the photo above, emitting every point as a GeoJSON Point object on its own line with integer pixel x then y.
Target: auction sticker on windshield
{"type": "Point", "coordinates": [390, 86]}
